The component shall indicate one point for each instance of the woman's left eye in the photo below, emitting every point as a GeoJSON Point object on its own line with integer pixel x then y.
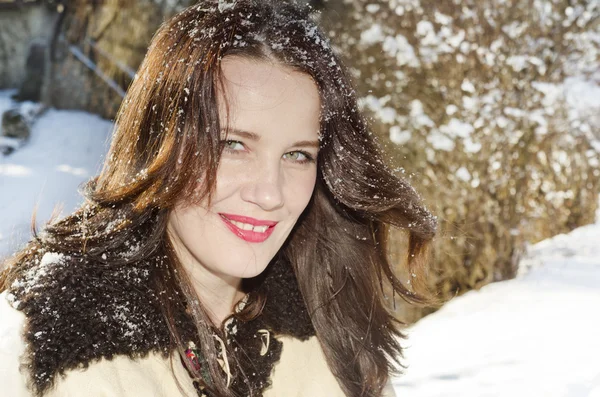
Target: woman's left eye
{"type": "Point", "coordinates": [299, 157]}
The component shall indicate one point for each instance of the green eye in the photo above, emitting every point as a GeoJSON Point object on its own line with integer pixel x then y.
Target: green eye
{"type": "Point", "coordinates": [232, 145]}
{"type": "Point", "coordinates": [299, 157]}
{"type": "Point", "coordinates": [295, 156]}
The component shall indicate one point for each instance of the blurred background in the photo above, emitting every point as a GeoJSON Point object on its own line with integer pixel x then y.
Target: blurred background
{"type": "Point", "coordinates": [490, 107]}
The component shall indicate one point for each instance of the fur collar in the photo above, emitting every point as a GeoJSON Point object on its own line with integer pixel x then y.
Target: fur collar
{"type": "Point", "coordinates": [79, 311]}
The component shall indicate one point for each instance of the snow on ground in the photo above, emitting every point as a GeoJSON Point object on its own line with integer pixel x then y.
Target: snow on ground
{"type": "Point", "coordinates": [533, 336]}
{"type": "Point", "coordinates": [536, 335]}
{"type": "Point", "coordinates": [65, 149]}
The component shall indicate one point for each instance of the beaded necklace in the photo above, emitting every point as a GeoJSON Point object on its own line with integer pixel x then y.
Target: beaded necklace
{"type": "Point", "coordinates": [199, 363]}
{"type": "Point", "coordinates": [200, 366]}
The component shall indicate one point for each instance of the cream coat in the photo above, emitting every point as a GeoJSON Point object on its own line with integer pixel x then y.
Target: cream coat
{"type": "Point", "coordinates": [301, 371]}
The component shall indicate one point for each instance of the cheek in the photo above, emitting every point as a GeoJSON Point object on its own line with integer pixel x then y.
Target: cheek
{"type": "Point", "coordinates": [230, 177]}
{"type": "Point", "coordinates": [300, 191]}
{"type": "Point", "coordinates": [185, 222]}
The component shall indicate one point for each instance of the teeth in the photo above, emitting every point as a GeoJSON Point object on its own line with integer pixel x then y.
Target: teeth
{"type": "Point", "coordinates": [247, 226]}
{"type": "Point", "coordinates": [260, 229]}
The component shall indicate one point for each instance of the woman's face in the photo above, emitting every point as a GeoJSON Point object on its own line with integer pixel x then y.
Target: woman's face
{"type": "Point", "coordinates": [266, 175]}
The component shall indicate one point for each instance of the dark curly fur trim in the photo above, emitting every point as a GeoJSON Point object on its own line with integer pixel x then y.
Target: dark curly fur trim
{"type": "Point", "coordinates": [285, 310]}
{"type": "Point", "coordinates": [247, 344]}
{"type": "Point", "coordinates": [79, 311]}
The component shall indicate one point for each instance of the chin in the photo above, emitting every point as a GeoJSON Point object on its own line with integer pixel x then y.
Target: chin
{"type": "Point", "coordinates": [252, 274]}
{"type": "Point", "coordinates": [246, 270]}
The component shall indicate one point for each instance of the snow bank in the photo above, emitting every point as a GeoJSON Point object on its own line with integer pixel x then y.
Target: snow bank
{"type": "Point", "coordinates": [66, 148]}
{"type": "Point", "coordinates": [536, 335]}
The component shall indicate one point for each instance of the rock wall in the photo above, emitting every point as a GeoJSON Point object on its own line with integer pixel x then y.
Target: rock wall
{"type": "Point", "coordinates": [19, 27]}
{"type": "Point", "coordinates": [121, 31]}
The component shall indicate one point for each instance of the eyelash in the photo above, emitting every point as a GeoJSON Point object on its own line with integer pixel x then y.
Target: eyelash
{"type": "Point", "coordinates": [309, 157]}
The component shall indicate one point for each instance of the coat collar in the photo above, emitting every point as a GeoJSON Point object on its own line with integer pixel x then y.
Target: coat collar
{"type": "Point", "coordinates": [79, 312]}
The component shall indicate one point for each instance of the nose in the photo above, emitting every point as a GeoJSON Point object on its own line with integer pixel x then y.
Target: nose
{"type": "Point", "coordinates": [264, 187]}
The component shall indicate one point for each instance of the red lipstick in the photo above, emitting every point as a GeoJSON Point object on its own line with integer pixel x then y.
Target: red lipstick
{"type": "Point", "coordinates": [249, 235]}
{"type": "Point", "coordinates": [247, 219]}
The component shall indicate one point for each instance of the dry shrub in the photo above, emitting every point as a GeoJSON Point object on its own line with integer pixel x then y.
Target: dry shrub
{"type": "Point", "coordinates": [476, 101]}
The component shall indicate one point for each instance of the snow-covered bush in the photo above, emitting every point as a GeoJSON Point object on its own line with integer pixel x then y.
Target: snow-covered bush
{"type": "Point", "coordinates": [491, 108]}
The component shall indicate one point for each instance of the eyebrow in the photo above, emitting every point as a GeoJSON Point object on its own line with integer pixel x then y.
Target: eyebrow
{"type": "Point", "coordinates": [255, 137]}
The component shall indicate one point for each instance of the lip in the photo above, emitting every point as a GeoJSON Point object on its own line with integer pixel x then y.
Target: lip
{"type": "Point", "coordinates": [247, 219]}
{"type": "Point", "coordinates": [248, 235]}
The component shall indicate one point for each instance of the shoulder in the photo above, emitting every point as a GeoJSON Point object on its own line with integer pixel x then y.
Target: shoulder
{"type": "Point", "coordinates": [123, 376]}
{"type": "Point", "coordinates": [119, 376]}
{"type": "Point", "coordinates": [12, 346]}
{"type": "Point", "coordinates": [303, 371]}
{"type": "Point", "coordinates": [76, 312]}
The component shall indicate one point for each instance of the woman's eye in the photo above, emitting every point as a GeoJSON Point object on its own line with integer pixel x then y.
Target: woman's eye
{"type": "Point", "coordinates": [232, 145]}
{"type": "Point", "coordinates": [299, 157]}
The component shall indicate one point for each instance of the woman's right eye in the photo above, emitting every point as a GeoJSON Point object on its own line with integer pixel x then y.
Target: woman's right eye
{"type": "Point", "coordinates": [232, 146]}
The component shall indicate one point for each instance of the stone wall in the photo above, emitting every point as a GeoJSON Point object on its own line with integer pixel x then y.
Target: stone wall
{"type": "Point", "coordinates": [121, 31]}
{"type": "Point", "coordinates": [19, 27]}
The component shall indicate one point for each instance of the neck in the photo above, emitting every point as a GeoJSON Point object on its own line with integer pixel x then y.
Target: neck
{"type": "Point", "coordinates": [218, 292]}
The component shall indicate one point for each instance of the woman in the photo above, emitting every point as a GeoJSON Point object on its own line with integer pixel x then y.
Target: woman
{"type": "Point", "coordinates": [234, 243]}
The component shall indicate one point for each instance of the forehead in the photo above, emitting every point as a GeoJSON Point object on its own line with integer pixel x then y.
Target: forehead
{"type": "Point", "coordinates": [262, 88]}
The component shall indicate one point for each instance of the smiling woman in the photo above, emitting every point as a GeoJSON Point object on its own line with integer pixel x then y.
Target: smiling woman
{"type": "Point", "coordinates": [234, 243]}
{"type": "Point", "coordinates": [265, 179]}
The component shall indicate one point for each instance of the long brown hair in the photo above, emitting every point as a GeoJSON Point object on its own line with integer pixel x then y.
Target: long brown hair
{"type": "Point", "coordinates": [167, 140]}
